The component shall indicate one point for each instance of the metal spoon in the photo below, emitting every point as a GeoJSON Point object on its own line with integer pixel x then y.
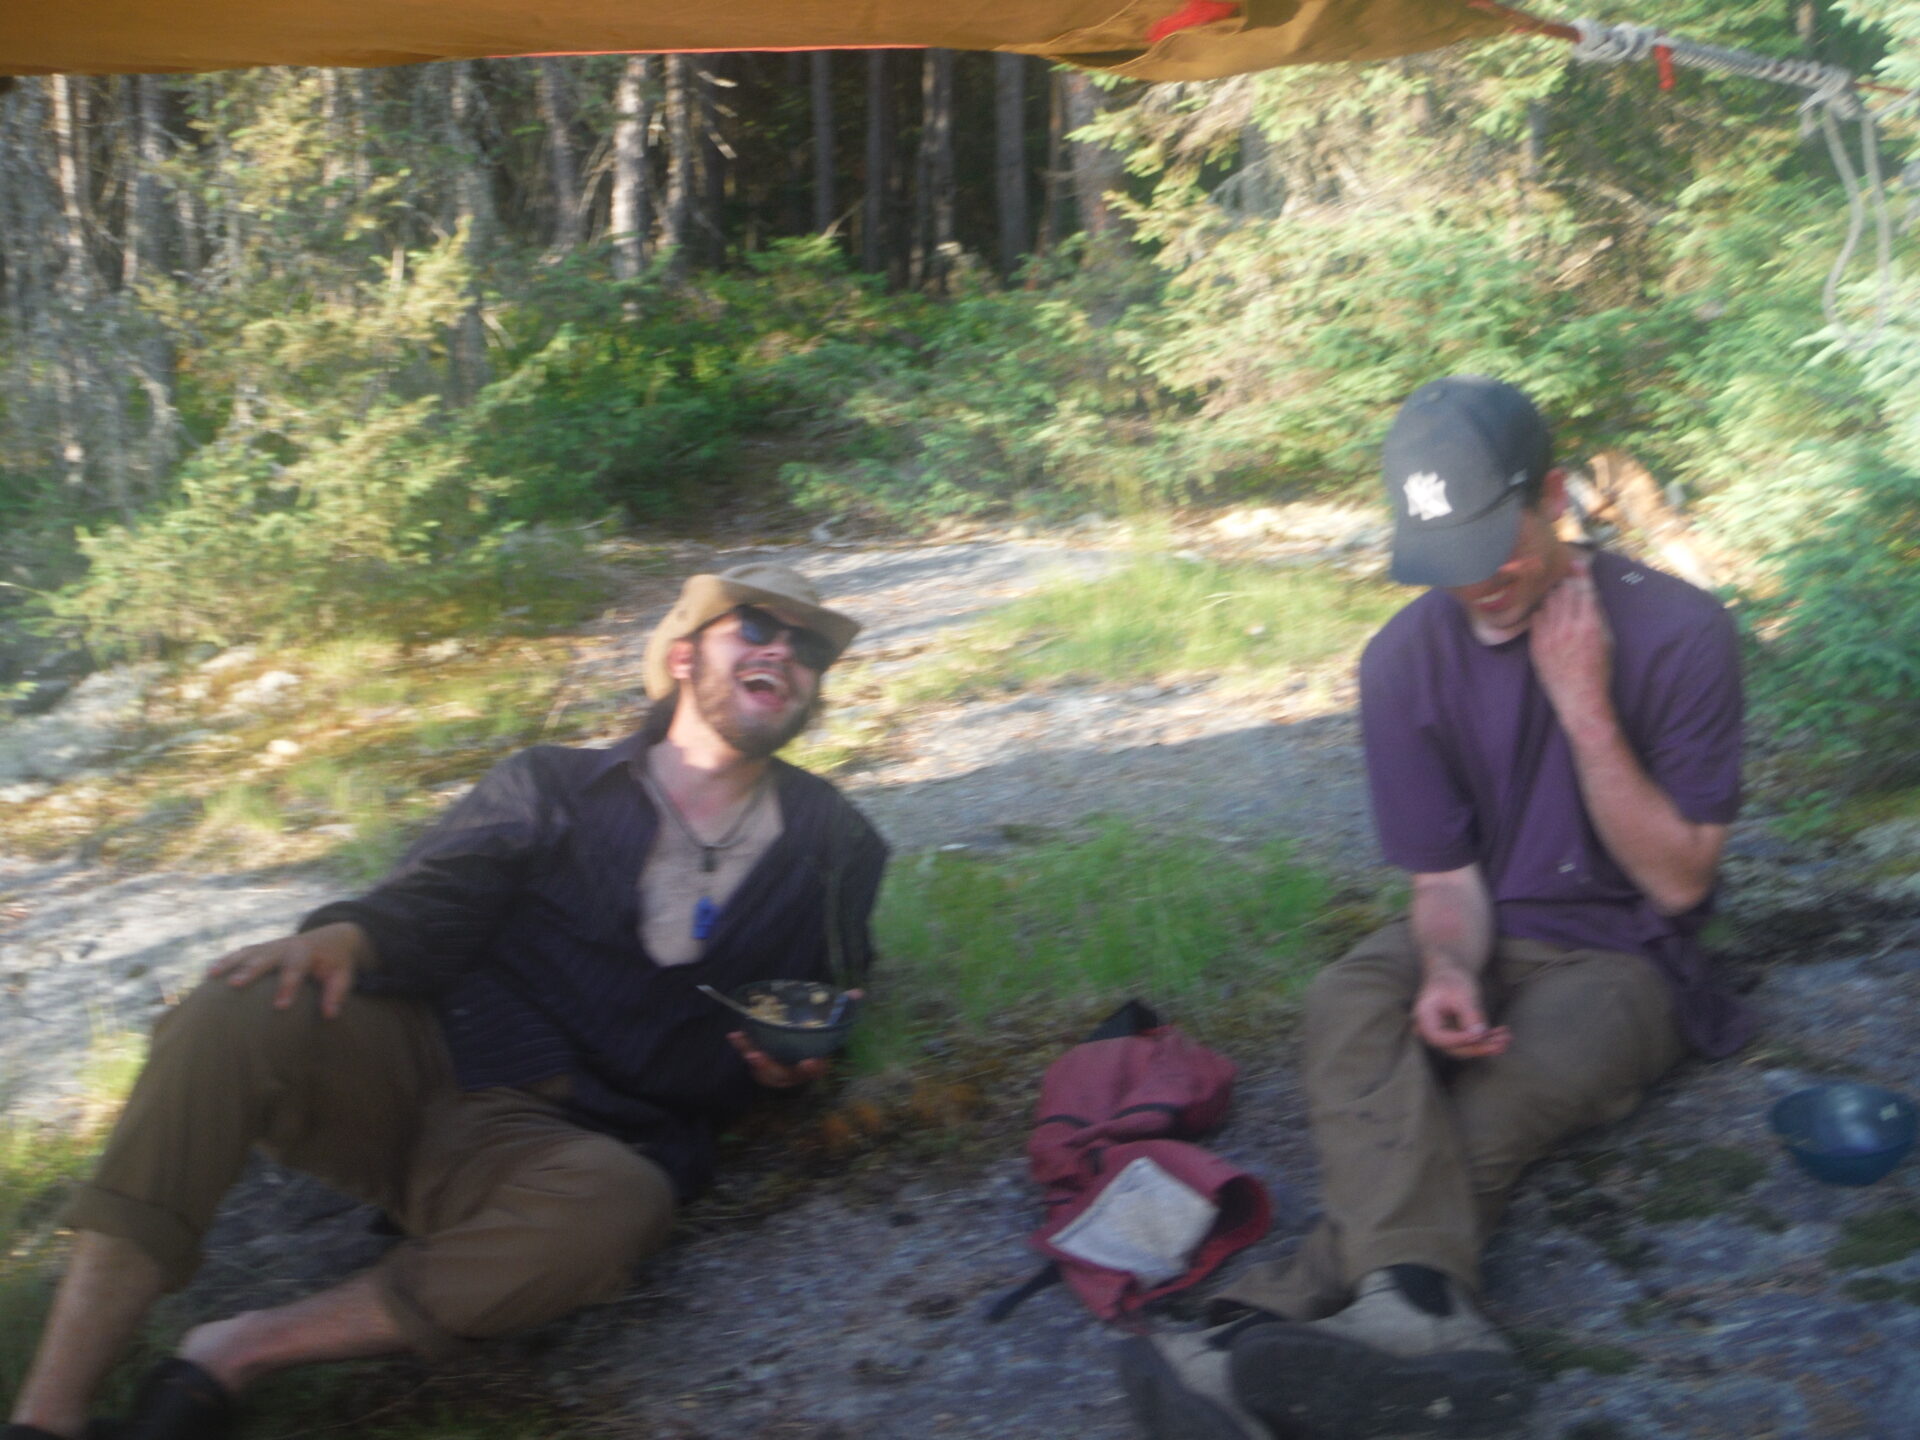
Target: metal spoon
{"type": "Point", "coordinates": [726, 1000]}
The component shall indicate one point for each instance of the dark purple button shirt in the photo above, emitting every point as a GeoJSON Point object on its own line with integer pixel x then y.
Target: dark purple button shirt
{"type": "Point", "coordinates": [517, 917]}
{"type": "Point", "coordinates": [1467, 763]}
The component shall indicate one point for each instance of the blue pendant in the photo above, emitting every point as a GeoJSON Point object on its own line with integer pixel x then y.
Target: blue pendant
{"type": "Point", "coordinates": [705, 915]}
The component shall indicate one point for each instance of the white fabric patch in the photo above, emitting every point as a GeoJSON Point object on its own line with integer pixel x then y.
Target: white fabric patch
{"type": "Point", "coordinates": [1145, 1222]}
{"type": "Point", "coordinates": [1427, 496]}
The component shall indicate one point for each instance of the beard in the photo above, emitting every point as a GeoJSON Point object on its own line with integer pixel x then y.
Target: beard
{"type": "Point", "coordinates": [754, 736]}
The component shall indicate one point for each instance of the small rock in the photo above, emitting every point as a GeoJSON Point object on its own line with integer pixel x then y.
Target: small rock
{"type": "Point", "coordinates": [1892, 840]}
{"type": "Point", "coordinates": [229, 660]}
{"type": "Point", "coordinates": [264, 689]}
{"type": "Point", "coordinates": [283, 748]}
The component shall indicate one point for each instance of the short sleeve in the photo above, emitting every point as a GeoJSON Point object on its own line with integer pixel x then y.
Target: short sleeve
{"type": "Point", "coordinates": [1422, 810]}
{"type": "Point", "coordinates": [1693, 750]}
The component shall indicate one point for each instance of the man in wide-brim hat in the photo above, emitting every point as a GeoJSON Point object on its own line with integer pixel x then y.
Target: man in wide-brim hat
{"type": "Point", "coordinates": [502, 1045]}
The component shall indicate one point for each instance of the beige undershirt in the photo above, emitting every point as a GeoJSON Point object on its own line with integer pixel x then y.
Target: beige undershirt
{"type": "Point", "coordinates": [671, 881]}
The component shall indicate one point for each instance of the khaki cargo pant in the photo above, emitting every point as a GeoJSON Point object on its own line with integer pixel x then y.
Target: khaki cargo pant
{"type": "Point", "coordinates": [1418, 1153]}
{"type": "Point", "coordinates": [512, 1215]}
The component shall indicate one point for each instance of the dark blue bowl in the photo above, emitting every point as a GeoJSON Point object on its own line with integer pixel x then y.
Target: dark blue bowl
{"type": "Point", "coordinates": [797, 1019]}
{"type": "Point", "coordinates": [1845, 1133]}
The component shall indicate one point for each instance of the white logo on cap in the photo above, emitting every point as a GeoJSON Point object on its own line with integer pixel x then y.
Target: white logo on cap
{"type": "Point", "coordinates": [1427, 497]}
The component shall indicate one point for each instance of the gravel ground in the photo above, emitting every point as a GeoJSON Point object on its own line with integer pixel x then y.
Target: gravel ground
{"type": "Point", "coordinates": [855, 1313]}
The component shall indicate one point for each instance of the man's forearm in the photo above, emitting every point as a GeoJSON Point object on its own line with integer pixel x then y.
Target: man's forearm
{"type": "Point", "coordinates": [1452, 917]}
{"type": "Point", "coordinates": [1670, 859]}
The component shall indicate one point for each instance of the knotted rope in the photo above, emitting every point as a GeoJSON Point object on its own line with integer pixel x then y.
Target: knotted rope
{"type": "Point", "coordinates": [1833, 95]}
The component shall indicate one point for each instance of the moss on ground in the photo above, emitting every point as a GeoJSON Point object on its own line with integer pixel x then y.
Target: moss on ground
{"type": "Point", "coordinates": [1550, 1353]}
{"type": "Point", "coordinates": [1877, 1289]}
{"type": "Point", "coordinates": [1881, 1238]}
{"type": "Point", "coordinates": [1701, 1183]}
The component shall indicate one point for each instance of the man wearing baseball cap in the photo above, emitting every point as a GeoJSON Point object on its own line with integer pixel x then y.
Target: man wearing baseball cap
{"type": "Point", "coordinates": [503, 1044]}
{"type": "Point", "coordinates": [1552, 741]}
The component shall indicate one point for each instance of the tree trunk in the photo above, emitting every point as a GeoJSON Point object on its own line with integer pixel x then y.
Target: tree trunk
{"type": "Point", "coordinates": [189, 226]}
{"type": "Point", "coordinates": [876, 229]}
{"type": "Point", "coordinates": [826, 206]}
{"type": "Point", "coordinates": [1053, 188]}
{"type": "Point", "coordinates": [475, 213]}
{"type": "Point", "coordinates": [1010, 157]}
{"type": "Point", "coordinates": [77, 279]}
{"type": "Point", "coordinates": [233, 226]}
{"type": "Point", "coordinates": [630, 219]}
{"type": "Point", "coordinates": [142, 252]}
{"type": "Point", "coordinates": [676, 228]}
{"type": "Point", "coordinates": [75, 285]}
{"type": "Point", "coordinates": [473, 178]}
{"type": "Point", "coordinates": [143, 257]}
{"type": "Point", "coordinates": [335, 159]}
{"type": "Point", "coordinates": [714, 152]}
{"type": "Point", "coordinates": [29, 241]}
{"type": "Point", "coordinates": [554, 85]}
{"type": "Point", "coordinates": [1097, 170]}
{"type": "Point", "coordinates": [934, 201]}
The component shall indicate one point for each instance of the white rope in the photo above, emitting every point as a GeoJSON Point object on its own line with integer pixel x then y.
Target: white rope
{"type": "Point", "coordinates": [1832, 94]}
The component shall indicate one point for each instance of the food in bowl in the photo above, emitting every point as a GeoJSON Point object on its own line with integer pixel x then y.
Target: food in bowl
{"type": "Point", "coordinates": [795, 1020]}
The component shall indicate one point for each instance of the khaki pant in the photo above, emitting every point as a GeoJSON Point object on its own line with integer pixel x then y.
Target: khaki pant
{"type": "Point", "coordinates": [1417, 1152]}
{"type": "Point", "coordinates": [513, 1216]}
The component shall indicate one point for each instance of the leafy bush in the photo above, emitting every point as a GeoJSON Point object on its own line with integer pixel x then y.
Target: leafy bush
{"type": "Point", "coordinates": [1033, 400]}
{"type": "Point", "coordinates": [636, 396]}
{"type": "Point", "coordinates": [338, 498]}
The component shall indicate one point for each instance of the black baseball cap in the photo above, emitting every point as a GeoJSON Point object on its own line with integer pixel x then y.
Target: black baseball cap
{"type": "Point", "coordinates": [1460, 458]}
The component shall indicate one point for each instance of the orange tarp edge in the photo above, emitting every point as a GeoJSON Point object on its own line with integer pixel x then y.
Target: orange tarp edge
{"type": "Point", "coordinates": [122, 36]}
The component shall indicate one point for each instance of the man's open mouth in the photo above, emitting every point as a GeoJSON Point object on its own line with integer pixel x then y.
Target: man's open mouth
{"type": "Point", "coordinates": [765, 686]}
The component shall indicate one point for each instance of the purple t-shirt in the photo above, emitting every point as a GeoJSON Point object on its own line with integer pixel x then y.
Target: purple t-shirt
{"type": "Point", "coordinates": [1467, 763]}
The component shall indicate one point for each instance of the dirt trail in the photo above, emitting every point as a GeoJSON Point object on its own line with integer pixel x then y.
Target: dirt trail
{"type": "Point", "coordinates": [855, 1314]}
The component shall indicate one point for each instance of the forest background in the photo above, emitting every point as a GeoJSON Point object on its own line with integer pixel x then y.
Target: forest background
{"type": "Point", "coordinates": [309, 352]}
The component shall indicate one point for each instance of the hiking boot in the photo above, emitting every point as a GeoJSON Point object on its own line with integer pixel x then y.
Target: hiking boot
{"type": "Point", "coordinates": [1410, 1356]}
{"type": "Point", "coordinates": [1177, 1387]}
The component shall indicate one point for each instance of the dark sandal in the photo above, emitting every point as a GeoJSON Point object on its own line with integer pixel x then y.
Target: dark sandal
{"type": "Point", "coordinates": [179, 1401]}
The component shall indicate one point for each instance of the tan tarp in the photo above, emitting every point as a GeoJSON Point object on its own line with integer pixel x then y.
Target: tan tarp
{"type": "Point", "coordinates": [110, 36]}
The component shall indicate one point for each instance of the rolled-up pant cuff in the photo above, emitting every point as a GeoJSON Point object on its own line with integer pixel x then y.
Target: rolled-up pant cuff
{"type": "Point", "coordinates": [168, 1240]}
{"type": "Point", "coordinates": [424, 1336]}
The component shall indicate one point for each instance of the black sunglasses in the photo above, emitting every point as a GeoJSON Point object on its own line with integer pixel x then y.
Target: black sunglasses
{"type": "Point", "coordinates": [809, 647]}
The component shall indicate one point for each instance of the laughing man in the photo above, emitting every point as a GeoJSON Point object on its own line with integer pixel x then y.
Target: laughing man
{"type": "Point", "coordinates": [502, 1045]}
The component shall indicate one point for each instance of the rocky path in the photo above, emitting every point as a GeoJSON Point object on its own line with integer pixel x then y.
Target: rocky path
{"type": "Point", "coordinates": [1672, 1277]}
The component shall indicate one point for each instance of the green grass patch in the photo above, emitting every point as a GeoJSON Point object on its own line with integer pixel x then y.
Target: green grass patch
{"type": "Point", "coordinates": [1702, 1183]}
{"type": "Point", "coordinates": [1877, 1289]}
{"type": "Point", "coordinates": [1877, 1239]}
{"type": "Point", "coordinates": [1160, 619]}
{"type": "Point", "coordinates": [40, 1163]}
{"type": "Point", "coordinates": [1040, 937]}
{"type": "Point", "coordinates": [1550, 1353]}
{"type": "Point", "coordinates": [342, 766]}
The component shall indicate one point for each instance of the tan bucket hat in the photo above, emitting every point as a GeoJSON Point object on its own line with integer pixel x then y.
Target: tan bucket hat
{"type": "Point", "coordinates": [705, 598]}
